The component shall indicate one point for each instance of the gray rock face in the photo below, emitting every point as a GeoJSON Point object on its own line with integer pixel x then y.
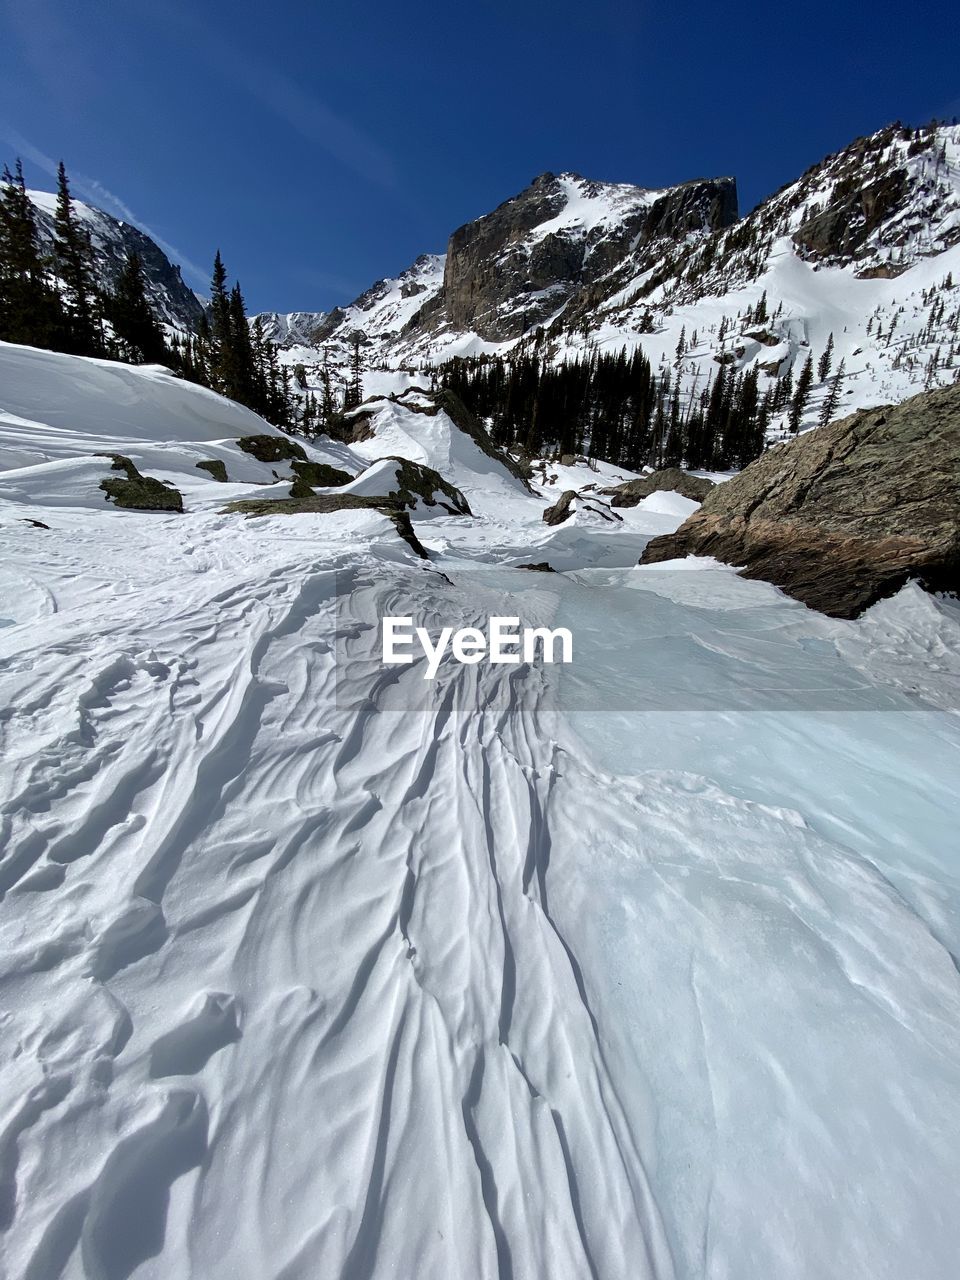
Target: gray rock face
{"type": "Point", "coordinates": [846, 514]}
{"type": "Point", "coordinates": [517, 267]}
{"type": "Point", "coordinates": [670, 479]}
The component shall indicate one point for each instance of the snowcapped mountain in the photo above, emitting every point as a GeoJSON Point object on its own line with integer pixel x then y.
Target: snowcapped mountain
{"type": "Point", "coordinates": [382, 313]}
{"type": "Point", "coordinates": [113, 240]}
{"type": "Point", "coordinates": [539, 256]}
{"type": "Point", "coordinates": [865, 247]}
{"type": "Point", "coordinates": [535, 257]}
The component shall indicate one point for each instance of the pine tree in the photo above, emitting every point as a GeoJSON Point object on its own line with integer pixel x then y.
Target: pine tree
{"type": "Point", "coordinates": [328, 403]}
{"type": "Point", "coordinates": [832, 398]}
{"type": "Point", "coordinates": [73, 259]}
{"type": "Point", "coordinates": [354, 394]}
{"type": "Point", "coordinates": [826, 360]}
{"type": "Point", "coordinates": [246, 385]}
{"type": "Point", "coordinates": [801, 395]}
{"type": "Point", "coordinates": [30, 310]}
{"type": "Point", "coordinates": [222, 371]}
{"type": "Point", "coordinates": [138, 333]}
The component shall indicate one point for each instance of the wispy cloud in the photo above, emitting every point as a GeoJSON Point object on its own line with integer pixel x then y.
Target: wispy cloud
{"type": "Point", "coordinates": [311, 118]}
{"type": "Point", "coordinates": [276, 92]}
{"type": "Point", "coordinates": [95, 193]}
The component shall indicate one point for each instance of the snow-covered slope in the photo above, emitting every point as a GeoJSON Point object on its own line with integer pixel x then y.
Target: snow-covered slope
{"type": "Point", "coordinates": [380, 315]}
{"type": "Point", "coordinates": [641, 967]}
{"type": "Point", "coordinates": [60, 415]}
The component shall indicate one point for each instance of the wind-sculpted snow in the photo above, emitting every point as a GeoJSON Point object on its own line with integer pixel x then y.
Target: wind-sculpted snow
{"type": "Point", "coordinates": [266, 921]}
{"type": "Point", "coordinates": [309, 967]}
{"type": "Point", "coordinates": [312, 969]}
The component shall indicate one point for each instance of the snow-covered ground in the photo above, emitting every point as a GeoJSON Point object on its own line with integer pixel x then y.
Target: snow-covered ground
{"type": "Point", "coordinates": [641, 967]}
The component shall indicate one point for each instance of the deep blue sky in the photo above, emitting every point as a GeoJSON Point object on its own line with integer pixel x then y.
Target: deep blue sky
{"type": "Point", "coordinates": [322, 146]}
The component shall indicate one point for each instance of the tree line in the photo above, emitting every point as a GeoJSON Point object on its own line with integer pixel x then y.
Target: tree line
{"type": "Point", "coordinates": [613, 407]}
{"type": "Point", "coordinates": [51, 296]}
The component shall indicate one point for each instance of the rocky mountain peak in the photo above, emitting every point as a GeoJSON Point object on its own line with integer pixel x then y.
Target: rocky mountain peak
{"type": "Point", "coordinates": [523, 264]}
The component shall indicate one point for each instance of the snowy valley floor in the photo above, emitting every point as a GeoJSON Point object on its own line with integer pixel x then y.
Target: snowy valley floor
{"type": "Point", "coordinates": [644, 967]}
{"type": "Point", "coordinates": [314, 969]}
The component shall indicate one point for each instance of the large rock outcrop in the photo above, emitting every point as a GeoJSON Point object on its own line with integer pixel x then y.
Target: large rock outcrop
{"type": "Point", "coordinates": [846, 514]}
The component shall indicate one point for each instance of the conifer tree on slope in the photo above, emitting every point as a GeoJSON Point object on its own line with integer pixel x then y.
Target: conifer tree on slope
{"type": "Point", "coordinates": [354, 393]}
{"type": "Point", "coordinates": [73, 259]}
{"type": "Point", "coordinates": [245, 386]}
{"type": "Point", "coordinates": [832, 400]}
{"type": "Point", "coordinates": [221, 362]}
{"type": "Point", "coordinates": [139, 335]}
{"type": "Point", "coordinates": [30, 309]}
{"type": "Point", "coordinates": [826, 360]}
{"type": "Point", "coordinates": [328, 402]}
{"type": "Point", "coordinates": [801, 395]}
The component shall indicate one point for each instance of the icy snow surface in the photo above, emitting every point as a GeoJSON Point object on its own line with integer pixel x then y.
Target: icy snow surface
{"type": "Point", "coordinates": [643, 967]}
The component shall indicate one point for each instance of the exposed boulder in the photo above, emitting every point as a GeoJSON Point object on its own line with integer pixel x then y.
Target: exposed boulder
{"type": "Point", "coordinates": [327, 503]}
{"type": "Point", "coordinates": [416, 483]}
{"type": "Point", "coordinates": [570, 501]}
{"type": "Point", "coordinates": [354, 426]}
{"type": "Point", "coordinates": [319, 474]}
{"type": "Point", "coordinates": [215, 467]}
{"type": "Point", "coordinates": [846, 514]}
{"type": "Point", "coordinates": [670, 479]}
{"type": "Point", "coordinates": [561, 509]}
{"type": "Point", "coordinates": [138, 492]}
{"type": "Point", "coordinates": [272, 448]}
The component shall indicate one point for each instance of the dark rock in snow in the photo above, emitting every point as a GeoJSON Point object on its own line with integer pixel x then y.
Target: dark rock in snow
{"type": "Point", "coordinates": [670, 479]}
{"type": "Point", "coordinates": [215, 467]}
{"type": "Point", "coordinates": [561, 509]}
{"type": "Point", "coordinates": [846, 514]}
{"type": "Point", "coordinates": [272, 448]}
{"type": "Point", "coordinates": [417, 482]}
{"type": "Point", "coordinates": [138, 492]}
{"type": "Point", "coordinates": [325, 503]}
